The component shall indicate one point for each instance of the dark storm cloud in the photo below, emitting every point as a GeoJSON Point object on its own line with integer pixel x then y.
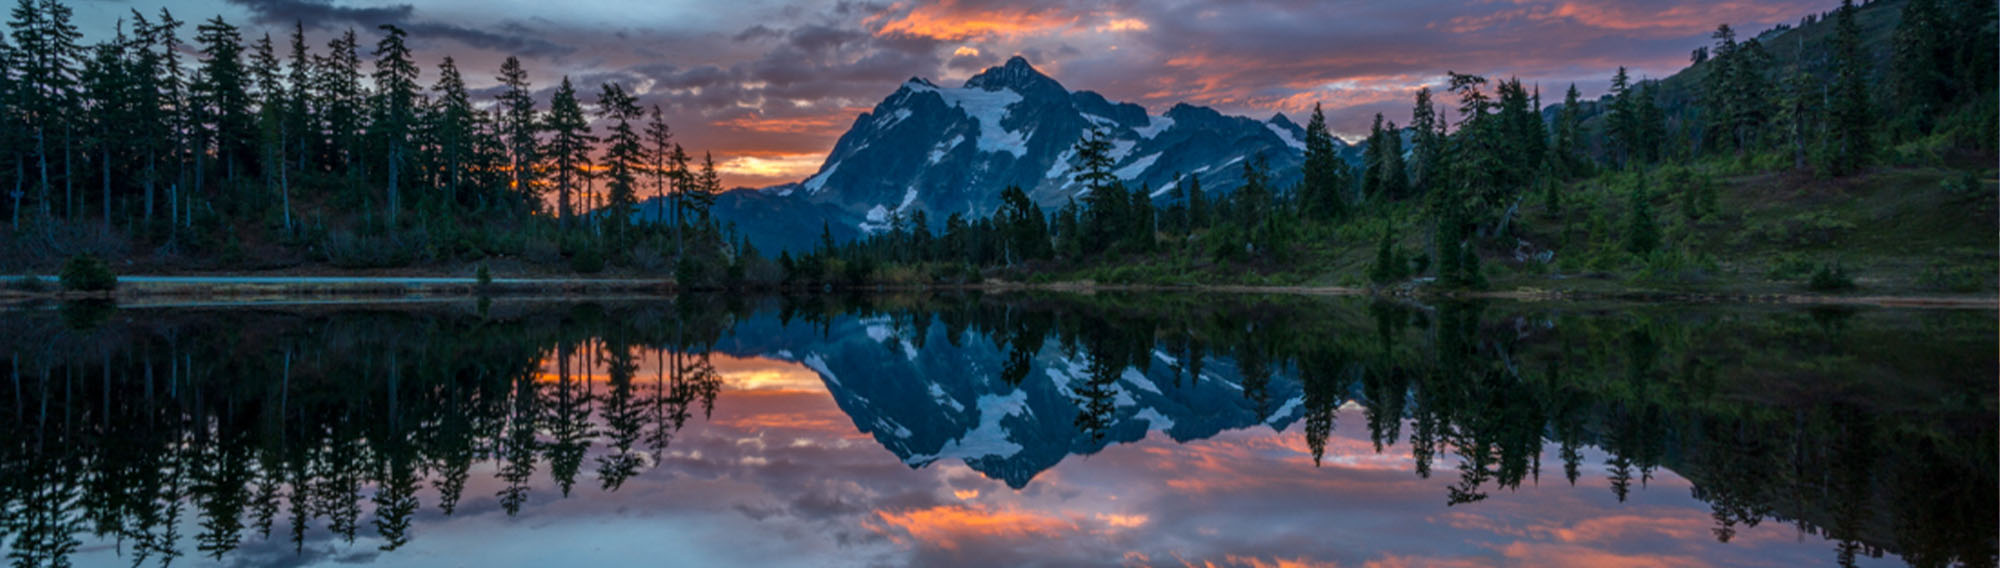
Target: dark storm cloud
{"type": "Point", "coordinates": [325, 15]}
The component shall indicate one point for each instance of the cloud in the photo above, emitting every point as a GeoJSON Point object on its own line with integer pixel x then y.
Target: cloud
{"type": "Point", "coordinates": [318, 14]}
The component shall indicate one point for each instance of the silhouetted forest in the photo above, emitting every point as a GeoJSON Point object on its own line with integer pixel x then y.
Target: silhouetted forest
{"type": "Point", "coordinates": [190, 145]}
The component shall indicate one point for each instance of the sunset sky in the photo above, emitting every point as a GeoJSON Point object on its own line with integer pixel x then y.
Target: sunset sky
{"type": "Point", "coordinates": [768, 85]}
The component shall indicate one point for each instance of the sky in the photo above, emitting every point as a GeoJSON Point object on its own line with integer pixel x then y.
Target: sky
{"type": "Point", "coordinates": [768, 86]}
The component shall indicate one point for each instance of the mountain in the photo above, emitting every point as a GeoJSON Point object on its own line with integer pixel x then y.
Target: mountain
{"type": "Point", "coordinates": [926, 396]}
{"type": "Point", "coordinates": [945, 150]}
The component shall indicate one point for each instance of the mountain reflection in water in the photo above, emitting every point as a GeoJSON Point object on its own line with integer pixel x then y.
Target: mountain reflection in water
{"type": "Point", "coordinates": [1019, 429]}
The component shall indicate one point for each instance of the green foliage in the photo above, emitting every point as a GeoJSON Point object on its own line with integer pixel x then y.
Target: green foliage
{"type": "Point", "coordinates": [1963, 183]}
{"type": "Point", "coordinates": [587, 260]}
{"type": "Point", "coordinates": [87, 273]}
{"type": "Point", "coordinates": [1675, 266]}
{"type": "Point", "coordinates": [1389, 264]}
{"type": "Point", "coordinates": [1955, 278]}
{"type": "Point", "coordinates": [484, 276]}
{"type": "Point", "coordinates": [1830, 278]}
{"type": "Point", "coordinates": [1642, 232]}
{"type": "Point", "coordinates": [1791, 267]}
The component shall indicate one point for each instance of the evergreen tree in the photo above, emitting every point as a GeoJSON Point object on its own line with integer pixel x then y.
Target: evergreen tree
{"type": "Point", "coordinates": [1069, 232]}
{"type": "Point", "coordinates": [223, 95]}
{"type": "Point", "coordinates": [624, 155]}
{"type": "Point", "coordinates": [299, 104]}
{"type": "Point", "coordinates": [568, 148]}
{"type": "Point", "coordinates": [271, 106]}
{"type": "Point", "coordinates": [701, 193]}
{"type": "Point", "coordinates": [1140, 221]}
{"type": "Point", "coordinates": [1253, 202]}
{"type": "Point", "coordinates": [341, 92]}
{"type": "Point", "coordinates": [1568, 135]}
{"type": "Point", "coordinates": [1427, 149]}
{"type": "Point", "coordinates": [1650, 134]}
{"type": "Point", "coordinates": [1919, 64]}
{"type": "Point", "coordinates": [396, 110]}
{"type": "Point", "coordinates": [1388, 266]}
{"type": "Point", "coordinates": [45, 59]}
{"type": "Point", "coordinates": [109, 116]}
{"type": "Point", "coordinates": [1198, 215]}
{"type": "Point", "coordinates": [1027, 233]}
{"type": "Point", "coordinates": [659, 153]}
{"type": "Point", "coordinates": [519, 127]}
{"type": "Point", "coordinates": [1642, 232]}
{"type": "Point", "coordinates": [1798, 113]}
{"type": "Point", "coordinates": [1105, 196]}
{"type": "Point", "coordinates": [455, 118]}
{"type": "Point", "coordinates": [1851, 121]}
{"type": "Point", "coordinates": [1623, 127]}
{"type": "Point", "coordinates": [1395, 176]}
{"type": "Point", "coordinates": [1325, 185]}
{"type": "Point", "coordinates": [1372, 172]}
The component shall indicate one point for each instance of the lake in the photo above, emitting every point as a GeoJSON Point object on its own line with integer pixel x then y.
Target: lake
{"type": "Point", "coordinates": [998, 430]}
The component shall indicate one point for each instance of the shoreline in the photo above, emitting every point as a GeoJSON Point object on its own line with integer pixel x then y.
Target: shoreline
{"type": "Point", "coordinates": [249, 289]}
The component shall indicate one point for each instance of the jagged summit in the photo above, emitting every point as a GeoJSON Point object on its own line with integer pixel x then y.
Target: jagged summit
{"type": "Point", "coordinates": [1017, 75]}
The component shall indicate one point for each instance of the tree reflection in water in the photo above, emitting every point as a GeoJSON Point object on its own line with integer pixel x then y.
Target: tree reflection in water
{"type": "Point", "coordinates": [1874, 430]}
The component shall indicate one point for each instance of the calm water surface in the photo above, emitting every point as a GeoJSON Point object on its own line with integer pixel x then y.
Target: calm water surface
{"type": "Point", "coordinates": [1157, 430]}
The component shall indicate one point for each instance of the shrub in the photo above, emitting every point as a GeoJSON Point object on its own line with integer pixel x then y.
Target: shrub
{"type": "Point", "coordinates": [1790, 267]}
{"type": "Point", "coordinates": [87, 273]}
{"type": "Point", "coordinates": [1965, 182]}
{"type": "Point", "coordinates": [587, 260]}
{"type": "Point", "coordinates": [1830, 278]}
{"type": "Point", "coordinates": [484, 276]}
{"type": "Point", "coordinates": [1955, 278]}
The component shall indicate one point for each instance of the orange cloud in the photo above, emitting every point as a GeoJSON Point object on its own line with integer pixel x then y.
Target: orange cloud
{"type": "Point", "coordinates": [945, 526]}
{"type": "Point", "coordinates": [1687, 526]}
{"type": "Point", "coordinates": [1429, 562]}
{"type": "Point", "coordinates": [1124, 24]}
{"type": "Point", "coordinates": [1255, 562]}
{"type": "Point", "coordinates": [950, 21]}
{"type": "Point", "coordinates": [833, 123]}
{"type": "Point", "coordinates": [1567, 556]}
{"type": "Point", "coordinates": [779, 166]}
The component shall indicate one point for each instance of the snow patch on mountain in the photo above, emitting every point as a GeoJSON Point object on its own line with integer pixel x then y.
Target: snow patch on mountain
{"type": "Point", "coordinates": [1155, 420]}
{"type": "Point", "coordinates": [1154, 126]}
{"type": "Point", "coordinates": [876, 221]}
{"type": "Point", "coordinates": [887, 121]}
{"type": "Point", "coordinates": [989, 108]}
{"type": "Point", "coordinates": [1061, 165]}
{"type": "Point", "coordinates": [989, 439]}
{"type": "Point", "coordinates": [1286, 135]}
{"type": "Point", "coordinates": [818, 365]}
{"type": "Point", "coordinates": [938, 153]}
{"type": "Point", "coordinates": [1137, 167]}
{"type": "Point", "coordinates": [938, 394]}
{"type": "Point", "coordinates": [818, 182]}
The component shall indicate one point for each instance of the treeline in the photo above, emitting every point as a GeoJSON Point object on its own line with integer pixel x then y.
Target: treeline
{"type": "Point", "coordinates": [1461, 172]}
{"type": "Point", "coordinates": [342, 153]}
